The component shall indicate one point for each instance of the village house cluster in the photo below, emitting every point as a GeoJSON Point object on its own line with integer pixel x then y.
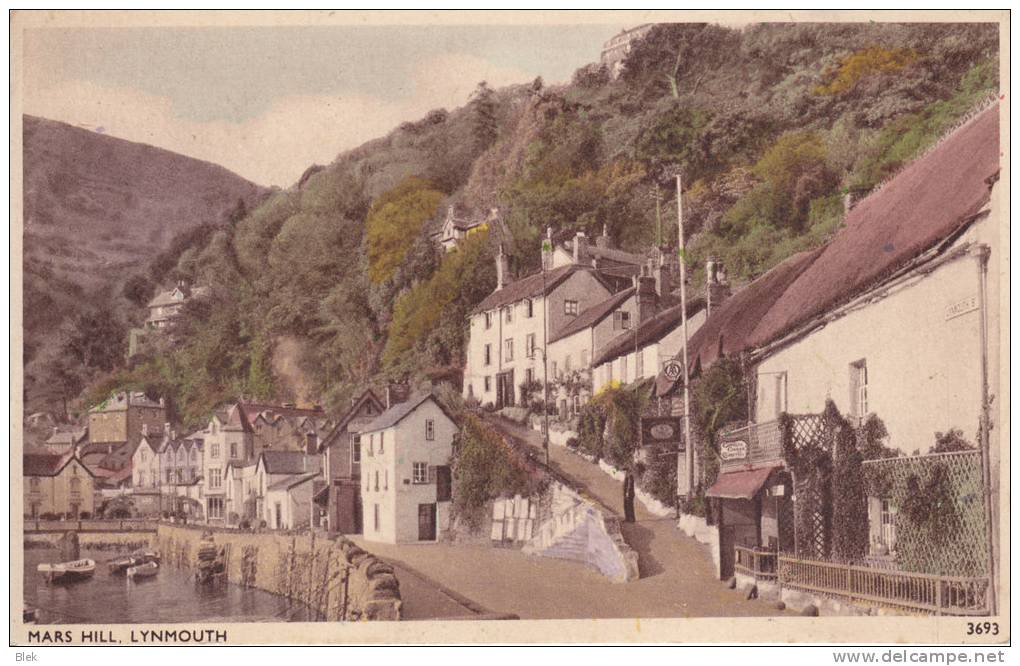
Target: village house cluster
{"type": "Point", "coordinates": [887, 333]}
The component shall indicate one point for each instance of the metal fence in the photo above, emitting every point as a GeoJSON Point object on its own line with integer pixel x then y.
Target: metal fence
{"type": "Point", "coordinates": [758, 564]}
{"type": "Point", "coordinates": [900, 590]}
{"type": "Point", "coordinates": [91, 525]}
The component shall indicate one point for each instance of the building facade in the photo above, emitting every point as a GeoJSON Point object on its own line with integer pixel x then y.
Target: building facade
{"type": "Point", "coordinates": [405, 470]}
{"type": "Point", "coordinates": [121, 418]}
{"type": "Point", "coordinates": [58, 485]}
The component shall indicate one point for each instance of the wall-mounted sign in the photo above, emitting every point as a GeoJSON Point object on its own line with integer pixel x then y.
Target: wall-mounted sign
{"type": "Point", "coordinates": [735, 450]}
{"type": "Point", "coordinates": [662, 430]}
{"type": "Point", "coordinates": [673, 370]}
{"type": "Point", "coordinates": [961, 307]}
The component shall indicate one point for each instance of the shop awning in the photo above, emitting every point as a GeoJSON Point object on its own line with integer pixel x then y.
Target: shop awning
{"type": "Point", "coordinates": [320, 492]}
{"type": "Point", "coordinates": [740, 485]}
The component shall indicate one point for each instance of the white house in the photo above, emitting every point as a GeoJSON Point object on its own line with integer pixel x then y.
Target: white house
{"type": "Point", "coordinates": [455, 228]}
{"type": "Point", "coordinates": [145, 463]}
{"type": "Point", "coordinates": [272, 468]}
{"type": "Point", "coordinates": [405, 472]}
{"type": "Point", "coordinates": [289, 502]}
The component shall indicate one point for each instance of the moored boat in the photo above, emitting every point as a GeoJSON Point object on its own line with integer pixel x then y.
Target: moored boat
{"type": "Point", "coordinates": [145, 570]}
{"type": "Point", "coordinates": [122, 564]}
{"type": "Point", "coordinates": [68, 572]}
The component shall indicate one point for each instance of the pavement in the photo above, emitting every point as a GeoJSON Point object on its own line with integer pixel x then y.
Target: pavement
{"type": "Point", "coordinates": [677, 574]}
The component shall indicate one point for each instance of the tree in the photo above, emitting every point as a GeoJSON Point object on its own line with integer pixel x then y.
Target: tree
{"type": "Point", "coordinates": [395, 220]}
{"type": "Point", "coordinates": [94, 339]}
{"type": "Point", "coordinates": [483, 111]}
{"type": "Point", "coordinates": [138, 290]}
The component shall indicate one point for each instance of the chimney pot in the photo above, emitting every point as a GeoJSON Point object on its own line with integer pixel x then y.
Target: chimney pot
{"type": "Point", "coordinates": [580, 248]}
{"type": "Point", "coordinates": [502, 269]}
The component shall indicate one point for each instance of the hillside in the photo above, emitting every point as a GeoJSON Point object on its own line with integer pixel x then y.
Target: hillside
{"type": "Point", "coordinates": [97, 211]}
{"type": "Point", "coordinates": [770, 127]}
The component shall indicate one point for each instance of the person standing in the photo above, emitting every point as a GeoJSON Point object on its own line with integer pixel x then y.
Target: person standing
{"type": "Point", "coordinates": [628, 496]}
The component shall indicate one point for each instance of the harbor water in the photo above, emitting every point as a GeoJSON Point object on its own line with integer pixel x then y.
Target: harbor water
{"type": "Point", "coordinates": [171, 596]}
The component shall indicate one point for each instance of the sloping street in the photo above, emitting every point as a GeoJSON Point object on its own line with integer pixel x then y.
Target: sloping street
{"type": "Point", "coordinates": [677, 577]}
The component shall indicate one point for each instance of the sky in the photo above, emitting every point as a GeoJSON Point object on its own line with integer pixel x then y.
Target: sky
{"type": "Point", "coordinates": [267, 102]}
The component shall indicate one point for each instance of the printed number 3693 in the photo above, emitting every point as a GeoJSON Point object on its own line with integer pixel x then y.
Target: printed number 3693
{"type": "Point", "coordinates": [980, 628]}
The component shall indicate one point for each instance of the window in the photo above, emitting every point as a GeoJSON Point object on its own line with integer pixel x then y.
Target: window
{"type": "Point", "coordinates": [509, 314]}
{"type": "Point", "coordinates": [621, 320]}
{"type": "Point", "coordinates": [233, 449]}
{"type": "Point", "coordinates": [488, 356]}
{"type": "Point", "coordinates": [570, 308]}
{"type": "Point", "coordinates": [888, 524]}
{"type": "Point", "coordinates": [194, 456]}
{"type": "Point", "coordinates": [377, 480]}
{"type": "Point", "coordinates": [529, 308]}
{"type": "Point", "coordinates": [75, 486]}
{"type": "Point", "coordinates": [169, 475]}
{"type": "Point", "coordinates": [488, 320]}
{"type": "Point", "coordinates": [623, 368]}
{"type": "Point", "coordinates": [33, 483]}
{"type": "Point", "coordinates": [529, 345]}
{"type": "Point", "coordinates": [859, 389]}
{"type": "Point", "coordinates": [639, 365]}
{"type": "Point", "coordinates": [780, 383]}
{"type": "Point", "coordinates": [386, 480]}
{"type": "Point", "coordinates": [430, 430]}
{"type": "Point", "coordinates": [371, 445]}
{"type": "Point", "coordinates": [609, 371]}
{"type": "Point", "coordinates": [553, 367]}
{"type": "Point", "coordinates": [214, 451]}
{"type": "Point", "coordinates": [145, 456]}
{"type": "Point", "coordinates": [420, 472]}
{"type": "Point", "coordinates": [488, 383]}
{"type": "Point", "coordinates": [584, 358]}
{"type": "Point", "coordinates": [529, 375]}
{"type": "Point", "coordinates": [375, 517]}
{"type": "Point", "coordinates": [566, 364]}
{"type": "Point", "coordinates": [356, 449]}
{"type": "Point", "coordinates": [382, 436]}
{"type": "Point", "coordinates": [215, 478]}
{"type": "Point", "coordinates": [509, 344]}
{"type": "Point", "coordinates": [215, 507]}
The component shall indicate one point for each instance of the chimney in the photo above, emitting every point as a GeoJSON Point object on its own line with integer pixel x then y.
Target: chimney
{"type": "Point", "coordinates": [647, 297]}
{"type": "Point", "coordinates": [493, 213]}
{"type": "Point", "coordinates": [145, 430]}
{"type": "Point", "coordinates": [311, 443]}
{"type": "Point", "coordinates": [602, 241]}
{"type": "Point", "coordinates": [848, 201]}
{"type": "Point", "coordinates": [717, 287]}
{"type": "Point", "coordinates": [396, 394]}
{"type": "Point", "coordinates": [502, 269]}
{"type": "Point", "coordinates": [663, 276]}
{"type": "Point", "coordinates": [166, 428]}
{"type": "Point", "coordinates": [581, 249]}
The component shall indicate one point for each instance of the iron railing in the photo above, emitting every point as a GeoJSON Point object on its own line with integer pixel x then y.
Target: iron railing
{"type": "Point", "coordinates": [764, 444]}
{"type": "Point", "coordinates": [901, 590]}
{"type": "Point", "coordinates": [758, 564]}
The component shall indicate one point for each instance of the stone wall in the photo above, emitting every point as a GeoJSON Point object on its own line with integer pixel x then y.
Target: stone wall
{"type": "Point", "coordinates": [332, 575]}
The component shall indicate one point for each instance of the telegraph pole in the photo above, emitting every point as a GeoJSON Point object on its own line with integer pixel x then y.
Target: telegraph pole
{"type": "Point", "coordinates": [683, 317]}
{"type": "Point", "coordinates": [546, 251]}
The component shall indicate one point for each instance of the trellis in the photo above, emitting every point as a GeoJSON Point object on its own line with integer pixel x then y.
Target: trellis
{"type": "Point", "coordinates": [960, 551]}
{"type": "Point", "coordinates": [807, 444]}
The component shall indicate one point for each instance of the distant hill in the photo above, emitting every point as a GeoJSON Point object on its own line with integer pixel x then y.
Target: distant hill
{"type": "Point", "coordinates": [98, 209]}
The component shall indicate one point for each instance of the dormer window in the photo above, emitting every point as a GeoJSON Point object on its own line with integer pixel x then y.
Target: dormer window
{"type": "Point", "coordinates": [509, 314]}
{"type": "Point", "coordinates": [570, 308]}
{"type": "Point", "coordinates": [529, 308]}
{"type": "Point", "coordinates": [488, 320]}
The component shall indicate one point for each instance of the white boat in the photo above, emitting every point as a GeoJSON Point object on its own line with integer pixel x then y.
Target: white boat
{"type": "Point", "coordinates": [68, 572]}
{"type": "Point", "coordinates": [146, 570]}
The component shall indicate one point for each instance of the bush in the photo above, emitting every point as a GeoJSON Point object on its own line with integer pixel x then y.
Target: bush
{"type": "Point", "coordinates": [84, 515]}
{"type": "Point", "coordinates": [485, 468]}
{"type": "Point", "coordinates": [49, 516]}
{"type": "Point", "coordinates": [245, 524]}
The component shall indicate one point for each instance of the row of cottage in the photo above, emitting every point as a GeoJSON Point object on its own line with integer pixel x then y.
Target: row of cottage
{"type": "Point", "coordinates": [897, 316]}
{"type": "Point", "coordinates": [382, 467]}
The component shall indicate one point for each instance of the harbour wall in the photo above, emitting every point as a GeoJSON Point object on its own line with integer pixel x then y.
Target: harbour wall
{"type": "Point", "coordinates": [331, 575]}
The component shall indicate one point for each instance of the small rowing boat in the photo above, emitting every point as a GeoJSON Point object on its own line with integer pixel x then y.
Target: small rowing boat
{"type": "Point", "coordinates": [68, 572]}
{"type": "Point", "coordinates": [121, 564]}
{"type": "Point", "coordinates": [146, 570]}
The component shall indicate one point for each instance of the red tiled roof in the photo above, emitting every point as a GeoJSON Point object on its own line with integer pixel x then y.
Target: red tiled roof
{"type": "Point", "coordinates": [928, 202]}
{"type": "Point", "coordinates": [44, 464]}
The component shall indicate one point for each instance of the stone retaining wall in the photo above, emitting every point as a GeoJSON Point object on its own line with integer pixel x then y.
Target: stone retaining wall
{"type": "Point", "coordinates": [331, 575]}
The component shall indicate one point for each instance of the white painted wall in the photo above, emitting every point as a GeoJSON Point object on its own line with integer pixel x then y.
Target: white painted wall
{"type": "Point", "coordinates": [924, 370]}
{"type": "Point", "coordinates": [404, 445]}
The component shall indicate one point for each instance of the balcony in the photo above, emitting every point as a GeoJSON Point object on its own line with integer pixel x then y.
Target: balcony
{"type": "Point", "coordinates": [754, 444]}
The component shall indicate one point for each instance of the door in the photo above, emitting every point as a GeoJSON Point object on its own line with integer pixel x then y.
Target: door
{"type": "Point", "coordinates": [426, 522]}
{"type": "Point", "coordinates": [505, 389]}
{"type": "Point", "coordinates": [279, 516]}
{"type": "Point", "coordinates": [726, 553]}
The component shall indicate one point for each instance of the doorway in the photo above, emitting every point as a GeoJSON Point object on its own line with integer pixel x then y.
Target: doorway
{"type": "Point", "coordinates": [505, 389]}
{"type": "Point", "coordinates": [426, 522]}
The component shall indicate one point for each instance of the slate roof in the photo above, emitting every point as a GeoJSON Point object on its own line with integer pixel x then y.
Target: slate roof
{"type": "Point", "coordinates": [396, 413]}
{"type": "Point", "coordinates": [289, 462]}
{"type": "Point", "coordinates": [252, 410]}
{"type": "Point", "coordinates": [648, 332]}
{"type": "Point", "coordinates": [120, 456]}
{"type": "Point", "coordinates": [368, 396]}
{"type": "Point", "coordinates": [593, 315]}
{"type": "Point", "coordinates": [44, 464]}
{"type": "Point", "coordinates": [292, 481]}
{"type": "Point", "coordinates": [529, 287]}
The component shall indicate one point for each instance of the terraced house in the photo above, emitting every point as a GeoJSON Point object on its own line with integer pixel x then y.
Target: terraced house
{"type": "Point", "coordinates": [57, 485]}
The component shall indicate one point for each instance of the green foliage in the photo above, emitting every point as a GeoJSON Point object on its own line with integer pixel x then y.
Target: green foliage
{"type": "Point", "coordinates": [673, 141]}
{"type": "Point", "coordinates": [483, 109]}
{"type": "Point", "coordinates": [861, 64]}
{"type": "Point", "coordinates": [394, 221]}
{"type": "Point", "coordinates": [950, 441]}
{"type": "Point", "coordinates": [609, 425]}
{"type": "Point", "coordinates": [138, 290]}
{"type": "Point", "coordinates": [849, 492]}
{"type": "Point", "coordinates": [430, 320]}
{"type": "Point", "coordinates": [485, 467]}
{"type": "Point", "coordinates": [908, 136]}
